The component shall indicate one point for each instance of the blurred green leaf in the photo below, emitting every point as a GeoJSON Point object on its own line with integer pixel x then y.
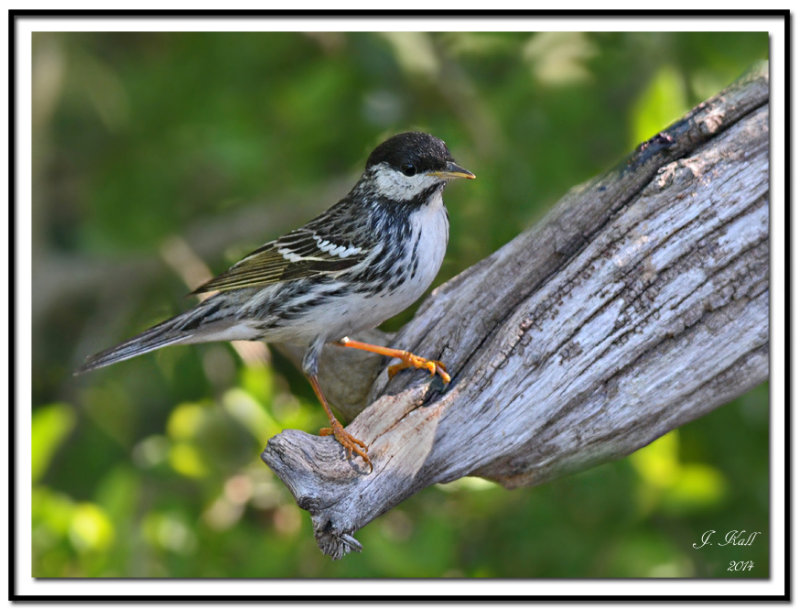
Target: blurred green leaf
{"type": "Point", "coordinates": [50, 426]}
{"type": "Point", "coordinates": [559, 58]}
{"type": "Point", "coordinates": [52, 511]}
{"type": "Point", "coordinates": [661, 104]}
{"type": "Point", "coordinates": [245, 409]}
{"type": "Point", "coordinates": [658, 462]}
{"type": "Point", "coordinates": [168, 531]}
{"type": "Point", "coordinates": [673, 486]}
{"type": "Point", "coordinates": [698, 487]}
{"type": "Point", "coordinates": [90, 529]}
{"type": "Point", "coordinates": [187, 460]}
{"type": "Point", "coordinates": [186, 421]}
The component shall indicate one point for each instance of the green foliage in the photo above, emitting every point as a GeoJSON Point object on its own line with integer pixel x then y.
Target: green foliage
{"type": "Point", "coordinates": [49, 427]}
{"type": "Point", "coordinates": [660, 104]}
{"type": "Point", "coordinates": [151, 468]}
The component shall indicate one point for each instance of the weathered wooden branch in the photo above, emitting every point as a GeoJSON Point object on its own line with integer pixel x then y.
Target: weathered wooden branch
{"type": "Point", "coordinates": [638, 304]}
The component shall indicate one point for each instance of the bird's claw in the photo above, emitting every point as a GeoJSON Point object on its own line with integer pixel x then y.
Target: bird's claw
{"type": "Point", "coordinates": [350, 442]}
{"type": "Point", "coordinates": [415, 361]}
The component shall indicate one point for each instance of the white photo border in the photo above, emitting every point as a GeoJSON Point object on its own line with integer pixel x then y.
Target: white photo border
{"type": "Point", "coordinates": [27, 587]}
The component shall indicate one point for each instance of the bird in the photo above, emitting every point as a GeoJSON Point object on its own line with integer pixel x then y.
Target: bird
{"type": "Point", "coordinates": [363, 260]}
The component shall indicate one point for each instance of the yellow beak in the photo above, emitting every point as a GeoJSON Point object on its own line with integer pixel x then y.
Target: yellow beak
{"type": "Point", "coordinates": [452, 171]}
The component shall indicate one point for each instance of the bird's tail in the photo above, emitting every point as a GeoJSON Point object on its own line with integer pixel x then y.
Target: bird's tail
{"type": "Point", "coordinates": [210, 320]}
{"type": "Point", "coordinates": [166, 333]}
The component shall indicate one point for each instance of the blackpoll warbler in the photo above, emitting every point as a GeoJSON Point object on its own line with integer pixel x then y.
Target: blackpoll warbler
{"type": "Point", "coordinates": [362, 261]}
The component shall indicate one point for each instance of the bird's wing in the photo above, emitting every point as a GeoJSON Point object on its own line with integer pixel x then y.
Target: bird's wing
{"type": "Point", "coordinates": [301, 253]}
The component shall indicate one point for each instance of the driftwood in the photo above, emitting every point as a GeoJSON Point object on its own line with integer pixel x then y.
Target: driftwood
{"type": "Point", "coordinates": [639, 303]}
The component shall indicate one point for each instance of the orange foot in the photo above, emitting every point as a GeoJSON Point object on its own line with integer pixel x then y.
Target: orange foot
{"type": "Point", "coordinates": [409, 360]}
{"type": "Point", "coordinates": [351, 443]}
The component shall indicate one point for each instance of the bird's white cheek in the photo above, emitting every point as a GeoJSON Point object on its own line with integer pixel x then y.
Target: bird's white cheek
{"type": "Point", "coordinates": [395, 185]}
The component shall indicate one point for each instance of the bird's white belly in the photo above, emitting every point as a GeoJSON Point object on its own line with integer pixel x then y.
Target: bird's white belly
{"type": "Point", "coordinates": [430, 230]}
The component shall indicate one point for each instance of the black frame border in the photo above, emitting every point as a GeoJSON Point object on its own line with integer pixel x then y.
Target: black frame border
{"type": "Point", "coordinates": [15, 14]}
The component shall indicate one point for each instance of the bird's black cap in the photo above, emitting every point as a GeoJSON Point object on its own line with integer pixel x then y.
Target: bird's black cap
{"type": "Point", "coordinates": [422, 150]}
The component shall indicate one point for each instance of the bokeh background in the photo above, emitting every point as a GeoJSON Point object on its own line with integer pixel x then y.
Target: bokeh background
{"type": "Point", "coordinates": [159, 156]}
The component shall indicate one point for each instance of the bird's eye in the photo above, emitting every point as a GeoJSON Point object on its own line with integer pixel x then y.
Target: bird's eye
{"type": "Point", "coordinates": [409, 169]}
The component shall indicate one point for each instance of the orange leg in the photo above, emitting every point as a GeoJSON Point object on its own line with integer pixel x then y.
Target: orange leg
{"type": "Point", "coordinates": [407, 360]}
{"type": "Point", "coordinates": [350, 442]}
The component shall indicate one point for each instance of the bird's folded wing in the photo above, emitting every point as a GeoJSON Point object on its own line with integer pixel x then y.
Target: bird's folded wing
{"type": "Point", "coordinates": [301, 253]}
